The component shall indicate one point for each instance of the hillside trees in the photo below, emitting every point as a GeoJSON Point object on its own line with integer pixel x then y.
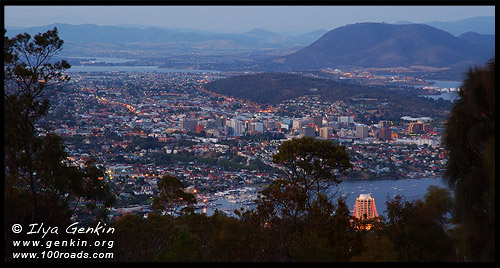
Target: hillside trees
{"type": "Point", "coordinates": [311, 167]}
{"type": "Point", "coordinates": [41, 184]}
{"type": "Point", "coordinates": [298, 202]}
{"type": "Point", "coordinates": [469, 139]}
{"type": "Point", "coordinates": [418, 229]}
{"type": "Point", "coordinates": [172, 195]}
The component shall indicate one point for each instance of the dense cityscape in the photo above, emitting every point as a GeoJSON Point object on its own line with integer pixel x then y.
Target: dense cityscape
{"type": "Point", "coordinates": [249, 134]}
{"type": "Point", "coordinates": [142, 126]}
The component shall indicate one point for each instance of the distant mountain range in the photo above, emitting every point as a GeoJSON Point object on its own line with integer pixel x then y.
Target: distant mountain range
{"type": "Point", "coordinates": [485, 41]}
{"type": "Point", "coordinates": [480, 25]}
{"type": "Point", "coordinates": [159, 37]}
{"type": "Point", "coordinates": [388, 45]}
{"type": "Point", "coordinates": [354, 45]}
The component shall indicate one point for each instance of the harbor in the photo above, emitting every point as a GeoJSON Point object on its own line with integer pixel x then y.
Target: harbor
{"type": "Point", "coordinates": [244, 198]}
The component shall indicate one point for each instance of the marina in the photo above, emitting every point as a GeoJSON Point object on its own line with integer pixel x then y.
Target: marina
{"type": "Point", "coordinates": [243, 198]}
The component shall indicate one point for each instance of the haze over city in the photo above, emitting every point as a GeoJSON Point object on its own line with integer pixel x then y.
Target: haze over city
{"type": "Point", "coordinates": [249, 133]}
{"type": "Point", "coordinates": [237, 19]}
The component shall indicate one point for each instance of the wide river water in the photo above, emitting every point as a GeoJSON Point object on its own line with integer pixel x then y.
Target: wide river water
{"type": "Point", "coordinates": [128, 68]}
{"type": "Point", "coordinates": [380, 190]}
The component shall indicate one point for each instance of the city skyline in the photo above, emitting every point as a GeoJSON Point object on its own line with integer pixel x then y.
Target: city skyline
{"type": "Point", "coordinates": [335, 134]}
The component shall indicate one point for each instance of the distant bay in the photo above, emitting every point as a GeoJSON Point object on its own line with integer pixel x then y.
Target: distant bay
{"type": "Point", "coordinates": [103, 59]}
{"type": "Point", "coordinates": [446, 84]}
{"type": "Point", "coordinates": [411, 189]}
{"type": "Point", "coordinates": [380, 190]}
{"type": "Point", "coordinates": [126, 68]}
{"type": "Point", "coordinates": [450, 85]}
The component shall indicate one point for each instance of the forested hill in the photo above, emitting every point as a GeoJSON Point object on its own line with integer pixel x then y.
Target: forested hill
{"type": "Point", "coordinates": [273, 88]}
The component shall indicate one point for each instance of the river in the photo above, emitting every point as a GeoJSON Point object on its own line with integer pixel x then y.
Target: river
{"type": "Point", "coordinates": [380, 190]}
{"type": "Point", "coordinates": [451, 85]}
{"type": "Point", "coordinates": [127, 68]}
{"type": "Point", "coordinates": [412, 189]}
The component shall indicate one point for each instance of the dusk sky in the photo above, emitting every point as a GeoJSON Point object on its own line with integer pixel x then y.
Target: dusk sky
{"type": "Point", "coordinates": [237, 19]}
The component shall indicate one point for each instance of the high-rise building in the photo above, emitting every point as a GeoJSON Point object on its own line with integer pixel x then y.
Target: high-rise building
{"type": "Point", "coordinates": [237, 126]}
{"type": "Point", "coordinates": [385, 133]}
{"type": "Point", "coordinates": [384, 124]}
{"type": "Point", "coordinates": [306, 131]}
{"type": "Point", "coordinates": [326, 132]}
{"type": "Point", "coordinates": [343, 132]}
{"type": "Point", "coordinates": [219, 121]}
{"type": "Point", "coordinates": [270, 124]}
{"type": "Point", "coordinates": [361, 131]}
{"type": "Point", "coordinates": [426, 128]}
{"type": "Point", "coordinates": [255, 127]}
{"type": "Point", "coordinates": [188, 124]}
{"type": "Point", "coordinates": [297, 123]}
{"type": "Point", "coordinates": [259, 126]}
{"type": "Point", "coordinates": [415, 128]}
{"type": "Point", "coordinates": [318, 121]}
{"type": "Point", "coordinates": [365, 208]}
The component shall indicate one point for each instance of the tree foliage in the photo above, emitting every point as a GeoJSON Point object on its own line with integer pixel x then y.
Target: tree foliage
{"type": "Point", "coordinates": [285, 226]}
{"type": "Point", "coordinates": [295, 219]}
{"type": "Point", "coordinates": [469, 139]}
{"type": "Point", "coordinates": [172, 196]}
{"type": "Point", "coordinates": [41, 184]}
{"type": "Point", "coordinates": [312, 164]}
{"type": "Point", "coordinates": [418, 229]}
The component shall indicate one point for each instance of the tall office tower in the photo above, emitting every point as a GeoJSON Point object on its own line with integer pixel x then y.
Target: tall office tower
{"type": "Point", "coordinates": [188, 124]}
{"type": "Point", "coordinates": [259, 126]}
{"type": "Point", "coordinates": [385, 134]}
{"type": "Point", "coordinates": [306, 131]}
{"type": "Point", "coordinates": [384, 124]}
{"type": "Point", "coordinates": [362, 131]}
{"type": "Point", "coordinates": [237, 126]}
{"type": "Point", "coordinates": [415, 128]}
{"type": "Point", "coordinates": [219, 121]}
{"type": "Point", "coordinates": [318, 121]}
{"type": "Point", "coordinates": [342, 133]}
{"type": "Point", "coordinates": [365, 208]}
{"type": "Point", "coordinates": [270, 124]}
{"type": "Point", "coordinates": [426, 128]}
{"type": "Point", "coordinates": [296, 123]}
{"type": "Point", "coordinates": [326, 132]}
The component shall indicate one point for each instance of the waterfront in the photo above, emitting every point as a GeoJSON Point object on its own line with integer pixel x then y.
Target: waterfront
{"type": "Point", "coordinates": [450, 96]}
{"type": "Point", "coordinates": [380, 190]}
{"type": "Point", "coordinates": [103, 59]}
{"type": "Point", "coordinates": [449, 90]}
{"type": "Point", "coordinates": [127, 68]}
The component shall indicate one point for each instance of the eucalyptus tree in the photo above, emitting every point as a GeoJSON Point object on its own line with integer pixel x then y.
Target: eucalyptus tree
{"type": "Point", "coordinates": [41, 183]}
{"type": "Point", "coordinates": [469, 140]}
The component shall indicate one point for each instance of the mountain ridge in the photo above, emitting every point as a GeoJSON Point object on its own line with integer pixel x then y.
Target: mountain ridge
{"type": "Point", "coordinates": [480, 25]}
{"type": "Point", "coordinates": [88, 33]}
{"type": "Point", "coordinates": [383, 45]}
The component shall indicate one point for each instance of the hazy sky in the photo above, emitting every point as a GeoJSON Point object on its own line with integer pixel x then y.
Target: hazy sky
{"type": "Point", "coordinates": [237, 19]}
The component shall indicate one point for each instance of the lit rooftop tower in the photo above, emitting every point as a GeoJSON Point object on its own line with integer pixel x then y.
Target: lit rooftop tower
{"type": "Point", "coordinates": [365, 208]}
